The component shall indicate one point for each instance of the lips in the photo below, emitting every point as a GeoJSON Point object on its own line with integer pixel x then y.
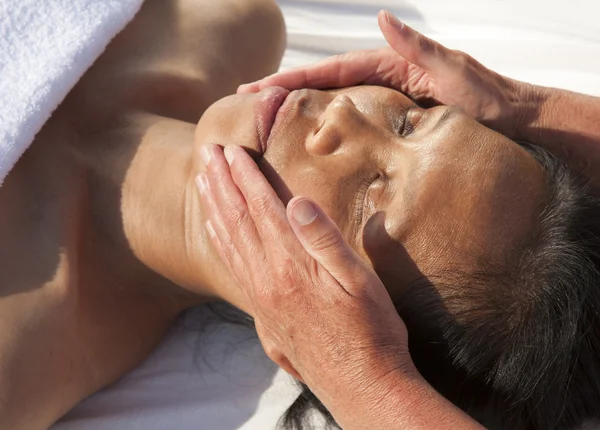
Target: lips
{"type": "Point", "coordinates": [266, 110]}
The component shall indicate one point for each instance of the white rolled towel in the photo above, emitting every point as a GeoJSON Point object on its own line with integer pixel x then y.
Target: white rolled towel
{"type": "Point", "coordinates": [45, 48]}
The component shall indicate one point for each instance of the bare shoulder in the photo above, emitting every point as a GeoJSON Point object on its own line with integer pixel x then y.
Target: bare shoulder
{"type": "Point", "coordinates": [243, 37]}
{"type": "Point", "coordinates": [248, 34]}
{"type": "Point", "coordinates": [179, 56]}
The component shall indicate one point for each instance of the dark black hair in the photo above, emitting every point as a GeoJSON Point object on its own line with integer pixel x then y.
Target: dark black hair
{"type": "Point", "coordinates": [515, 345]}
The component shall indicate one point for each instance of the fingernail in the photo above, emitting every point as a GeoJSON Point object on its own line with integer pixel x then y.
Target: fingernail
{"type": "Point", "coordinates": [201, 183]}
{"type": "Point", "coordinates": [210, 229]}
{"type": "Point", "coordinates": [205, 154]}
{"type": "Point", "coordinates": [304, 212]}
{"type": "Point", "coordinates": [393, 21]}
{"type": "Point", "coordinates": [229, 154]}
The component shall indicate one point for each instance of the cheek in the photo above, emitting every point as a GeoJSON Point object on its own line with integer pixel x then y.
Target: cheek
{"type": "Point", "coordinates": [312, 183]}
{"type": "Point", "coordinates": [318, 183]}
{"type": "Point", "coordinates": [391, 259]}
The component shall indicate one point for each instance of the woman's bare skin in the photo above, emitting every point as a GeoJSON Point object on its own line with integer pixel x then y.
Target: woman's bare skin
{"type": "Point", "coordinates": [104, 243]}
{"type": "Point", "coordinates": [84, 293]}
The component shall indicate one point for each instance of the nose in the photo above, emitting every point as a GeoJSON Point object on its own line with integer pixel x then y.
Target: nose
{"type": "Point", "coordinates": [336, 122]}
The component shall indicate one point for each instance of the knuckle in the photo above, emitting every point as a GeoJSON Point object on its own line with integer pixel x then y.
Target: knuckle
{"type": "Point", "coordinates": [360, 279]}
{"type": "Point", "coordinates": [286, 276]}
{"type": "Point", "coordinates": [426, 45]}
{"type": "Point", "coordinates": [277, 296]}
{"type": "Point", "coordinates": [273, 352]}
{"type": "Point", "coordinates": [267, 296]}
{"type": "Point", "coordinates": [284, 267]}
{"type": "Point", "coordinates": [236, 214]}
{"type": "Point", "coordinates": [259, 204]}
{"type": "Point", "coordinates": [281, 292]}
{"type": "Point", "coordinates": [337, 58]}
{"type": "Point", "coordinates": [313, 270]}
{"type": "Point", "coordinates": [350, 56]}
{"type": "Point", "coordinates": [462, 60]}
{"type": "Point", "coordinates": [287, 281]}
{"type": "Point", "coordinates": [327, 240]}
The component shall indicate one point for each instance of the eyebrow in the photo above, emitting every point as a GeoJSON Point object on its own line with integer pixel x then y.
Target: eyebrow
{"type": "Point", "coordinates": [443, 119]}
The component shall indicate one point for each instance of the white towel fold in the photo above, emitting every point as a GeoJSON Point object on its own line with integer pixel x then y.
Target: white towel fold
{"type": "Point", "coordinates": [45, 48]}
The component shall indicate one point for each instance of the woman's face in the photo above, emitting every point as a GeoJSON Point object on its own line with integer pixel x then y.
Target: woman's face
{"type": "Point", "coordinates": [413, 190]}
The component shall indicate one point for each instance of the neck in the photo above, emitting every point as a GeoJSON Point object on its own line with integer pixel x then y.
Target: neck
{"type": "Point", "coordinates": [162, 221]}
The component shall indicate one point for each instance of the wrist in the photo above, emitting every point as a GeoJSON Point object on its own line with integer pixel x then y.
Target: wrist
{"type": "Point", "coordinates": [531, 104]}
{"type": "Point", "coordinates": [379, 398]}
{"type": "Point", "coordinates": [399, 399]}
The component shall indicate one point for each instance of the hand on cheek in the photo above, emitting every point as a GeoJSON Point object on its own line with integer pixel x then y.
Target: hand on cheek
{"type": "Point", "coordinates": [320, 311]}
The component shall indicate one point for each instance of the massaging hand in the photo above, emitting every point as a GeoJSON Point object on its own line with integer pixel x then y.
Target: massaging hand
{"type": "Point", "coordinates": [320, 311]}
{"type": "Point", "coordinates": [419, 67]}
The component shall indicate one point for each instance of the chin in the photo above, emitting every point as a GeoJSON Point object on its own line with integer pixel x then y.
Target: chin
{"type": "Point", "coordinates": [229, 121]}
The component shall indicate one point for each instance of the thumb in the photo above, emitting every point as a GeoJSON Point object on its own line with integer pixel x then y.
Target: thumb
{"type": "Point", "coordinates": [323, 240]}
{"type": "Point", "coordinates": [410, 44]}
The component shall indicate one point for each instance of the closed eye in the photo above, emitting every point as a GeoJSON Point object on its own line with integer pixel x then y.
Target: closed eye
{"type": "Point", "coordinates": [361, 201]}
{"type": "Point", "coordinates": [408, 128]}
{"type": "Point", "coordinates": [409, 122]}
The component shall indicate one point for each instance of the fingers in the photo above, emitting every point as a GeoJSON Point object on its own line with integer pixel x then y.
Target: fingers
{"type": "Point", "coordinates": [248, 88]}
{"type": "Point", "coordinates": [248, 218]}
{"type": "Point", "coordinates": [340, 71]}
{"type": "Point", "coordinates": [250, 223]}
{"type": "Point", "coordinates": [319, 75]}
{"type": "Point", "coordinates": [361, 67]}
{"type": "Point", "coordinates": [263, 203]}
{"type": "Point", "coordinates": [412, 45]}
{"type": "Point", "coordinates": [231, 227]}
{"type": "Point", "coordinates": [323, 240]}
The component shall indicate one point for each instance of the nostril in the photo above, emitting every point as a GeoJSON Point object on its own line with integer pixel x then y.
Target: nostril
{"type": "Point", "coordinates": [327, 137]}
{"type": "Point", "coordinates": [325, 143]}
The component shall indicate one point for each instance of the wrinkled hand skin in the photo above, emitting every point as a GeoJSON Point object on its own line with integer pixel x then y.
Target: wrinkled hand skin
{"type": "Point", "coordinates": [426, 71]}
{"type": "Point", "coordinates": [321, 313]}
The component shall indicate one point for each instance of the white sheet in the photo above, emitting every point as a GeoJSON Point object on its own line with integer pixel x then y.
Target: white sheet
{"type": "Point", "coordinates": [207, 374]}
{"type": "Point", "coordinates": [547, 42]}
